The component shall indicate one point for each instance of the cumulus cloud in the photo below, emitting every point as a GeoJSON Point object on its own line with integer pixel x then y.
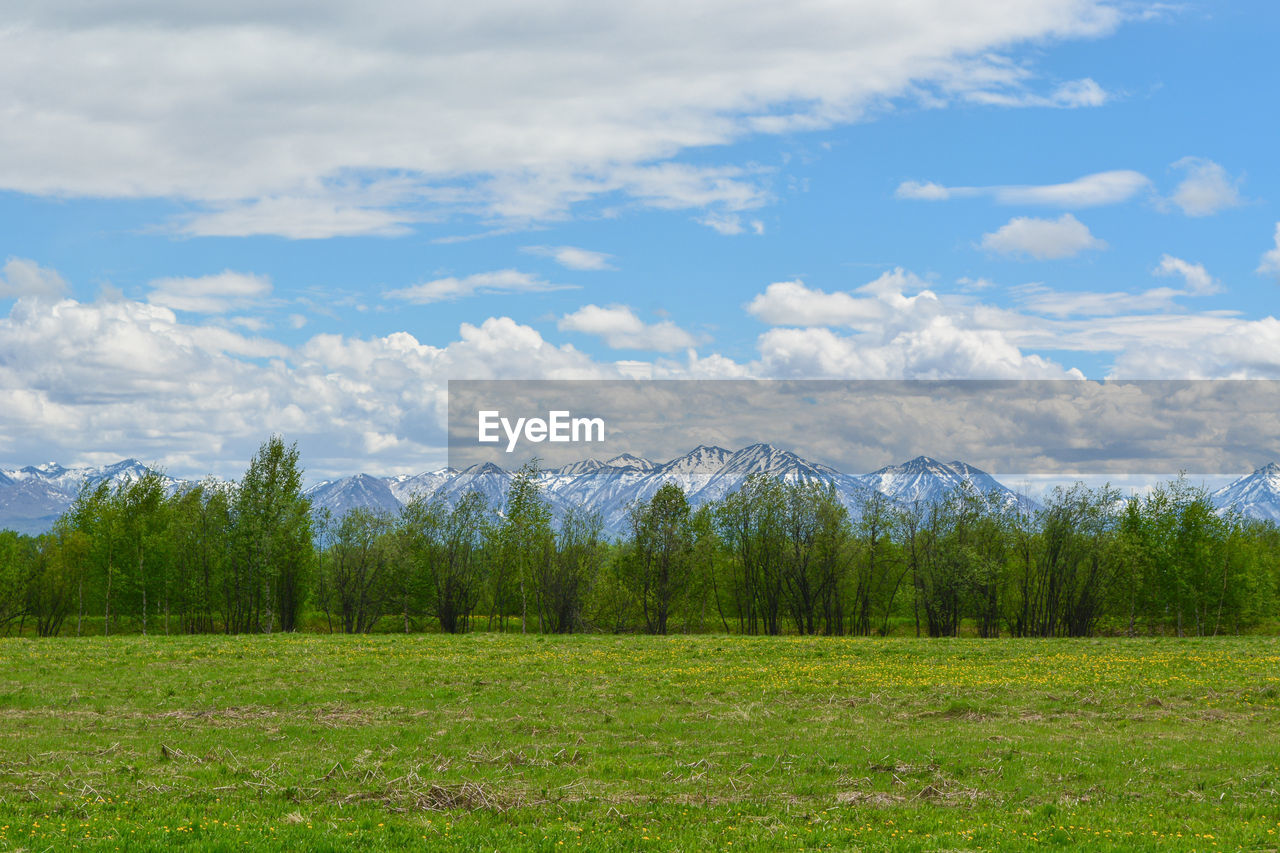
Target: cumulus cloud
{"type": "Point", "coordinates": [210, 294]}
{"type": "Point", "coordinates": [25, 278]}
{"type": "Point", "coordinates": [1094, 190]}
{"type": "Point", "coordinates": [914, 332]}
{"type": "Point", "coordinates": [1271, 258]}
{"type": "Point", "coordinates": [451, 288]}
{"type": "Point", "coordinates": [101, 380]}
{"type": "Point", "coordinates": [1197, 278]}
{"type": "Point", "coordinates": [937, 349]}
{"type": "Point", "coordinates": [330, 120]}
{"type": "Point", "coordinates": [620, 328]}
{"type": "Point", "coordinates": [1042, 239]}
{"type": "Point", "coordinates": [791, 303]}
{"type": "Point", "coordinates": [1207, 188]}
{"type": "Point", "coordinates": [573, 258]}
{"type": "Point", "coordinates": [901, 330]}
{"type": "Point", "coordinates": [118, 378]}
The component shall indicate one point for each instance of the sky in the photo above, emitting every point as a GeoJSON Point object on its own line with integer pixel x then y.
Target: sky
{"type": "Point", "coordinates": [222, 221]}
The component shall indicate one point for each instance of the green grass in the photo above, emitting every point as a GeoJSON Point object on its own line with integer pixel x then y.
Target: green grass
{"type": "Point", "coordinates": [630, 743]}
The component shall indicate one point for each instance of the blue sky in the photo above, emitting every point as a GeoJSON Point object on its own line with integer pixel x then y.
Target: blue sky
{"type": "Point", "coordinates": [225, 220]}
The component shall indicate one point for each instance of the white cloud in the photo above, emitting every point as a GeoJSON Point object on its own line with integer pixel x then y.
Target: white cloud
{"type": "Point", "coordinates": [118, 377]}
{"type": "Point", "coordinates": [620, 328]}
{"type": "Point", "coordinates": [901, 329]}
{"type": "Point", "coordinates": [210, 294]}
{"type": "Point", "coordinates": [1042, 239]}
{"type": "Point", "coordinates": [1072, 94]}
{"type": "Point", "coordinates": [1094, 190]}
{"type": "Point", "coordinates": [1084, 92]}
{"type": "Point", "coordinates": [731, 224]}
{"type": "Point", "coordinates": [451, 288]}
{"type": "Point", "coordinates": [295, 218]}
{"type": "Point", "coordinates": [937, 349]}
{"type": "Point", "coordinates": [1199, 282]}
{"type": "Point", "coordinates": [791, 303]}
{"type": "Point", "coordinates": [328, 119]}
{"type": "Point", "coordinates": [253, 324]}
{"type": "Point", "coordinates": [1271, 258]}
{"type": "Point", "coordinates": [1197, 346]}
{"type": "Point", "coordinates": [25, 278]}
{"type": "Point", "coordinates": [916, 332]}
{"type": "Point", "coordinates": [923, 191]}
{"type": "Point", "coordinates": [1044, 300]}
{"type": "Point", "coordinates": [571, 257]}
{"type": "Point", "coordinates": [1207, 189]}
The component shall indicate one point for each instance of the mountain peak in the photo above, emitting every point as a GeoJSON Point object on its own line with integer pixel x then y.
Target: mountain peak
{"type": "Point", "coordinates": [762, 447]}
{"type": "Point", "coordinates": [629, 460]}
{"type": "Point", "coordinates": [47, 469]}
{"type": "Point", "coordinates": [1256, 495]}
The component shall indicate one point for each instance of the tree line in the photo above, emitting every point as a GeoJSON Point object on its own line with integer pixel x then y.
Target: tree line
{"type": "Point", "coordinates": [769, 558]}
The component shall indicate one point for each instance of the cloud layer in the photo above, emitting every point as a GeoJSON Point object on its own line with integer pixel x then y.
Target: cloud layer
{"type": "Point", "coordinates": [333, 120]}
{"type": "Point", "coordinates": [93, 381]}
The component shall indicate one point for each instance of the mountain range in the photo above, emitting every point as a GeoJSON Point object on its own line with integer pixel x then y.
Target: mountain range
{"type": "Point", "coordinates": [32, 498]}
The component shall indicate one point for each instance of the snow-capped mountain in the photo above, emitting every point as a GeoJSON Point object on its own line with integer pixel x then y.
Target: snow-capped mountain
{"type": "Point", "coordinates": [926, 480]}
{"type": "Point", "coordinates": [406, 486]}
{"type": "Point", "coordinates": [32, 498]}
{"type": "Point", "coordinates": [362, 490]}
{"type": "Point", "coordinates": [611, 488]}
{"type": "Point", "coordinates": [487, 479]}
{"type": "Point", "coordinates": [1255, 495]}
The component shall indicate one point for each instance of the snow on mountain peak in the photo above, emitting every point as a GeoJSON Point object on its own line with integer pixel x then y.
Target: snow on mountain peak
{"type": "Point", "coordinates": [31, 497]}
{"type": "Point", "coordinates": [628, 460]}
{"type": "Point", "coordinates": [1256, 494]}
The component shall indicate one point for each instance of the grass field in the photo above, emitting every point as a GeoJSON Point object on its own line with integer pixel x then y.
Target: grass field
{"type": "Point", "coordinates": [631, 743]}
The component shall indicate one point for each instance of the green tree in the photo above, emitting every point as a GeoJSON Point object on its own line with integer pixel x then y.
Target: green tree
{"type": "Point", "coordinates": [16, 558]}
{"type": "Point", "coordinates": [525, 544]}
{"type": "Point", "coordinates": [273, 547]}
{"type": "Point", "coordinates": [657, 559]}
{"type": "Point", "coordinates": [142, 523]}
{"type": "Point", "coordinates": [357, 586]}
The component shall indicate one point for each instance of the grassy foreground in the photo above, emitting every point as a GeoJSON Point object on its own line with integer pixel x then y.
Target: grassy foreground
{"type": "Point", "coordinates": [547, 743]}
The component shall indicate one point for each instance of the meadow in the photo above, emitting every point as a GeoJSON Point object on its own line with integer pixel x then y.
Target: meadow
{"type": "Point", "coordinates": [509, 742]}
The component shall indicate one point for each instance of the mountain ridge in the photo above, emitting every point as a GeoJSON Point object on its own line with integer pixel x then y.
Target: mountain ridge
{"type": "Point", "coordinates": [32, 497]}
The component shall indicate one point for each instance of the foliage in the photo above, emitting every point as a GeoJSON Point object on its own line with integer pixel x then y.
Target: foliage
{"type": "Point", "coordinates": [769, 558]}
